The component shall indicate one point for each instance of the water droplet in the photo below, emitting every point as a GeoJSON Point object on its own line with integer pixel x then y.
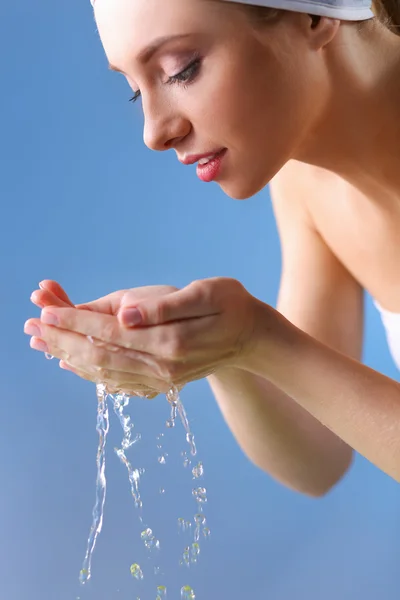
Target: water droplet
{"type": "Point", "coordinates": [83, 576]}
{"type": "Point", "coordinates": [199, 519]}
{"type": "Point", "coordinates": [195, 552]}
{"type": "Point", "coordinates": [136, 572]}
{"type": "Point", "coordinates": [187, 593]}
{"type": "Point", "coordinates": [48, 356]}
{"type": "Point", "coordinates": [162, 459]}
{"type": "Point", "coordinates": [149, 539]}
{"type": "Point", "coordinates": [200, 494]}
{"type": "Point", "coordinates": [186, 556]}
{"type": "Point", "coordinates": [206, 532]}
{"type": "Point", "coordinates": [161, 592]}
{"type": "Point", "coordinates": [162, 490]}
{"type": "Point", "coordinates": [198, 471]}
{"type": "Point", "coordinates": [181, 524]}
{"type": "Point", "coordinates": [190, 441]}
{"type": "Point", "coordinates": [170, 423]}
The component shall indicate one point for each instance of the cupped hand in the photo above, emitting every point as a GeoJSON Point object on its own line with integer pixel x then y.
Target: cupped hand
{"type": "Point", "coordinates": [51, 294]}
{"type": "Point", "coordinates": [182, 336]}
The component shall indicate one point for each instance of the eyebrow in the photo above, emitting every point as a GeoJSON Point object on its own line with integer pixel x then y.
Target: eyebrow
{"type": "Point", "coordinates": [146, 54]}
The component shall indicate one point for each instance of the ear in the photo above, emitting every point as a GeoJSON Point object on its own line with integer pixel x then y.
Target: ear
{"type": "Point", "coordinates": [321, 31]}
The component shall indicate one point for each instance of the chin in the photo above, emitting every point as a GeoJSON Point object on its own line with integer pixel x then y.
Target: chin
{"type": "Point", "coordinates": [242, 190]}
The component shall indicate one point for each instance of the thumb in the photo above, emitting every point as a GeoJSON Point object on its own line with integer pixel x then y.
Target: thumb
{"type": "Point", "coordinates": [156, 310]}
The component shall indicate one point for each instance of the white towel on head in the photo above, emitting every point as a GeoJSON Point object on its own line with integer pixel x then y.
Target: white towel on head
{"type": "Point", "coordinates": [347, 10]}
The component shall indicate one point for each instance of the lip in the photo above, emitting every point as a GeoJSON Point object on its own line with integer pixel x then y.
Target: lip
{"type": "Point", "coordinates": [210, 171]}
{"type": "Point", "coordinates": [193, 158]}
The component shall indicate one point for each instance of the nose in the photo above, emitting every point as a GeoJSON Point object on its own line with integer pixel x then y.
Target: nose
{"type": "Point", "coordinates": [164, 128]}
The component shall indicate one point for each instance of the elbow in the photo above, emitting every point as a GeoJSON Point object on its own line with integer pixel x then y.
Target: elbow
{"type": "Point", "coordinates": [311, 484]}
{"type": "Point", "coordinates": [327, 484]}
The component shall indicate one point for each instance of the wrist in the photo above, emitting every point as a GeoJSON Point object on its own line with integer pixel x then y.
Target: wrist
{"type": "Point", "coordinates": [275, 340]}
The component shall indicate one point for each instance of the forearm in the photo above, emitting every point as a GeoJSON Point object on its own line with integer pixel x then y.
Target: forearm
{"type": "Point", "coordinates": [358, 404]}
{"type": "Point", "coordinates": [278, 435]}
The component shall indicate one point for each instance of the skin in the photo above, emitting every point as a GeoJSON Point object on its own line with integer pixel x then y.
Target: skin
{"type": "Point", "coordinates": [315, 110]}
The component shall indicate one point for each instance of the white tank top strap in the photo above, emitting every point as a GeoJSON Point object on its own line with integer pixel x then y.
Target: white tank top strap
{"type": "Point", "coordinates": [391, 322]}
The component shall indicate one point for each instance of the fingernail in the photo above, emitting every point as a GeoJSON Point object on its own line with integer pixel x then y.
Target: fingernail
{"type": "Point", "coordinates": [49, 318]}
{"type": "Point", "coordinates": [32, 330]}
{"type": "Point", "coordinates": [131, 316]}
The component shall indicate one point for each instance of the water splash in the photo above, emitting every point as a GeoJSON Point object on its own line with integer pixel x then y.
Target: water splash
{"type": "Point", "coordinates": [121, 401]}
{"type": "Point", "coordinates": [187, 593]}
{"type": "Point", "coordinates": [149, 539]}
{"type": "Point", "coordinates": [161, 592]}
{"type": "Point", "coordinates": [177, 407]}
{"type": "Point", "coordinates": [200, 520]}
{"type": "Point", "coordinates": [136, 572]}
{"type": "Point", "coordinates": [103, 425]}
{"type": "Point", "coordinates": [198, 471]}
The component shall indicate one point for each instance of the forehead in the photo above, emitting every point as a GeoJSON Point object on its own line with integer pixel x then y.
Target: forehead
{"type": "Point", "coordinates": [127, 26]}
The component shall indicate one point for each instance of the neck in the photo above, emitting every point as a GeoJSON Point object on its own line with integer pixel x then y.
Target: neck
{"type": "Point", "coordinates": [357, 135]}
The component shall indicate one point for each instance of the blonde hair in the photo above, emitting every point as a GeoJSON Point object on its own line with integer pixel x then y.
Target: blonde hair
{"type": "Point", "coordinates": [386, 11]}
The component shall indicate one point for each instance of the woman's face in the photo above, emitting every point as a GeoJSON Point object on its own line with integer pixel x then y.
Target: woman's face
{"type": "Point", "coordinates": [222, 84]}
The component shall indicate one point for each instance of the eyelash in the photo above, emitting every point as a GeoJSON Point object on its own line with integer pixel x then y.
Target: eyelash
{"type": "Point", "coordinates": [184, 78]}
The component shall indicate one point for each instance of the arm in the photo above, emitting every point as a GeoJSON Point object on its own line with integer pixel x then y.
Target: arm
{"type": "Point", "coordinates": [321, 298]}
{"type": "Point", "coordinates": [358, 404]}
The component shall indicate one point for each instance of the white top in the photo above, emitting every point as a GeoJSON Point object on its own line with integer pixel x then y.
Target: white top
{"type": "Point", "coordinates": [391, 322]}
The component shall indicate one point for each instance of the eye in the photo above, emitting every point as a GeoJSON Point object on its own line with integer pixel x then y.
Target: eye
{"type": "Point", "coordinates": [188, 74]}
{"type": "Point", "coordinates": [184, 77]}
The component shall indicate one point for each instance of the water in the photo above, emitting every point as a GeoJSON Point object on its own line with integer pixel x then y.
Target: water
{"type": "Point", "coordinates": [191, 552]}
{"type": "Point", "coordinates": [136, 572]}
{"type": "Point", "coordinates": [121, 401]}
{"type": "Point", "coordinates": [161, 592]}
{"type": "Point", "coordinates": [187, 593]}
{"type": "Point", "coordinates": [103, 425]}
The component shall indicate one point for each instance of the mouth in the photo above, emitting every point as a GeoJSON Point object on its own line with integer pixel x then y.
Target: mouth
{"type": "Point", "coordinates": [209, 167]}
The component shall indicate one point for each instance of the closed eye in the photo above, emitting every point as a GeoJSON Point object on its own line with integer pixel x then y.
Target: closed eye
{"type": "Point", "coordinates": [184, 78]}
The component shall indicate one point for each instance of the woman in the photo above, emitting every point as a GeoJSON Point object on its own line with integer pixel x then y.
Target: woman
{"type": "Point", "coordinates": [312, 105]}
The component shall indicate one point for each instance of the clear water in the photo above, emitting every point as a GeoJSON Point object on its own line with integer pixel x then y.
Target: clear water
{"type": "Point", "coordinates": [187, 593]}
{"type": "Point", "coordinates": [103, 426]}
{"type": "Point", "coordinates": [191, 551]}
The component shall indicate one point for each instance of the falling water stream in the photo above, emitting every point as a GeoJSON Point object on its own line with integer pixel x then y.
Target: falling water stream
{"type": "Point", "coordinates": [190, 553]}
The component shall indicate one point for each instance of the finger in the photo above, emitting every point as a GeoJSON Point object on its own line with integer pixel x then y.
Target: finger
{"type": "Point", "coordinates": [188, 303]}
{"type": "Point", "coordinates": [96, 325]}
{"type": "Point", "coordinates": [107, 305]}
{"type": "Point", "coordinates": [83, 352]}
{"type": "Point", "coordinates": [118, 381]}
{"type": "Point", "coordinates": [111, 303]}
{"type": "Point", "coordinates": [44, 297]}
{"type": "Point", "coordinates": [55, 288]}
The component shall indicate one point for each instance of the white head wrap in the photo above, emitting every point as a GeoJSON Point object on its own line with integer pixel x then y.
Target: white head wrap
{"type": "Point", "coordinates": [347, 10]}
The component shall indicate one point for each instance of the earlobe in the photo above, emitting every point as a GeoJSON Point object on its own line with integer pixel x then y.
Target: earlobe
{"type": "Point", "coordinates": [322, 31]}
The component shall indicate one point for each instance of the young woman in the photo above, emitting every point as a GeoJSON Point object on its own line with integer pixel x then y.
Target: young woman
{"type": "Point", "coordinates": [306, 96]}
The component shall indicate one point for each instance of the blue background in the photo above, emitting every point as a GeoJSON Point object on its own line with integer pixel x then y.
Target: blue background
{"type": "Point", "coordinates": [85, 203]}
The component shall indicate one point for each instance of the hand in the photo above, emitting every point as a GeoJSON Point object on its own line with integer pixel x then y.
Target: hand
{"type": "Point", "coordinates": [52, 294]}
{"type": "Point", "coordinates": [184, 335]}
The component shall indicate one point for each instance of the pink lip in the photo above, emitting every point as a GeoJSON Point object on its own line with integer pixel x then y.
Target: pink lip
{"type": "Point", "coordinates": [193, 158]}
{"type": "Point", "coordinates": [210, 171]}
